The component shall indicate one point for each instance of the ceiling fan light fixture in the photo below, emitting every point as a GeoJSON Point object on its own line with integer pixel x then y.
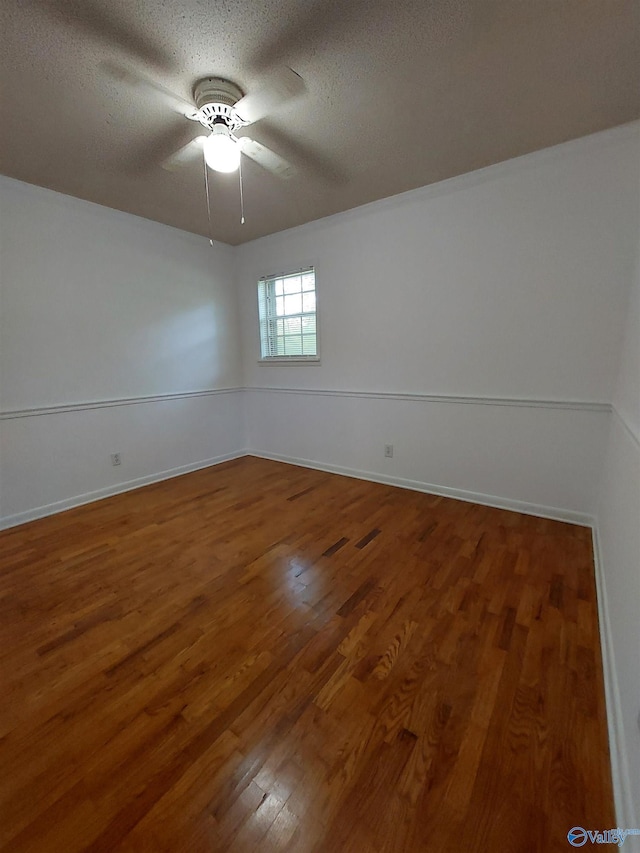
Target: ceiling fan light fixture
{"type": "Point", "coordinates": [221, 151]}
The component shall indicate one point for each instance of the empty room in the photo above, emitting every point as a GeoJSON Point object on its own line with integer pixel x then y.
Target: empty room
{"type": "Point", "coordinates": [319, 426]}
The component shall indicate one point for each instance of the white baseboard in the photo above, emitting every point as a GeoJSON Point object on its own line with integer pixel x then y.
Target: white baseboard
{"type": "Point", "coordinates": [555, 513]}
{"type": "Point", "coordinates": [541, 511]}
{"type": "Point", "coordinates": [619, 765]}
{"type": "Point", "coordinates": [620, 773]}
{"type": "Point", "coordinates": [108, 491]}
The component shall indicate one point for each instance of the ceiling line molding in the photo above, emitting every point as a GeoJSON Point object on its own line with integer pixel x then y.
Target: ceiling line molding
{"type": "Point", "coordinates": [107, 404]}
{"type": "Point", "coordinates": [467, 180]}
{"type": "Point", "coordinates": [78, 202]}
{"type": "Point", "coordinates": [535, 403]}
{"type": "Point", "coordinates": [447, 186]}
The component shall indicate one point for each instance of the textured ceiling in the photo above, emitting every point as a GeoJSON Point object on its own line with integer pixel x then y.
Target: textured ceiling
{"type": "Point", "coordinates": [398, 94]}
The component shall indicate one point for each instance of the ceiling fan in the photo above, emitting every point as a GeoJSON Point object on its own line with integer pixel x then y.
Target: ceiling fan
{"type": "Point", "coordinates": [218, 104]}
{"type": "Point", "coordinates": [222, 108]}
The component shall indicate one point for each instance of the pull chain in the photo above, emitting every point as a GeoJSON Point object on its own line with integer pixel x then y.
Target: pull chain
{"type": "Point", "coordinates": [241, 195]}
{"type": "Point", "coordinates": [206, 186]}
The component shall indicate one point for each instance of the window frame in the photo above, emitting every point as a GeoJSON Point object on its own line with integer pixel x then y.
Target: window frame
{"type": "Point", "coordinates": [290, 359]}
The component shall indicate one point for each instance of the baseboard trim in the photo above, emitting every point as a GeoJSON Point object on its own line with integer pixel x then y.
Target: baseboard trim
{"type": "Point", "coordinates": [620, 773]}
{"type": "Point", "coordinates": [116, 489]}
{"type": "Point", "coordinates": [539, 510]}
{"type": "Point", "coordinates": [619, 766]}
{"type": "Point", "coordinates": [554, 513]}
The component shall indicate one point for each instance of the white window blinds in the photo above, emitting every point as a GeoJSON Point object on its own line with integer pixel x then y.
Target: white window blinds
{"type": "Point", "coordinates": [287, 312]}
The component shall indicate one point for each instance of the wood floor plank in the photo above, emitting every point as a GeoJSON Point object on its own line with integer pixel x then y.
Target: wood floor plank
{"type": "Point", "coordinates": [258, 656]}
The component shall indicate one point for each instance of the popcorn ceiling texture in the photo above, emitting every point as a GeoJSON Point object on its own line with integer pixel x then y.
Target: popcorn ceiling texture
{"type": "Point", "coordinates": [398, 95]}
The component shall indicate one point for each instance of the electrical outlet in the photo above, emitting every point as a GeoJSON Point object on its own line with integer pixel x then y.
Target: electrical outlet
{"type": "Point", "coordinates": [116, 459]}
{"type": "Point", "coordinates": [388, 450]}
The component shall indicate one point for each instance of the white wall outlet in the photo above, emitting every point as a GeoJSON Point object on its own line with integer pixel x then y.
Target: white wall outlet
{"type": "Point", "coordinates": [388, 450]}
{"type": "Point", "coordinates": [116, 459]}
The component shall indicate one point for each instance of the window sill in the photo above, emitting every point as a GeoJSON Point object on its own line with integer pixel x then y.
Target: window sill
{"type": "Point", "coordinates": [291, 359]}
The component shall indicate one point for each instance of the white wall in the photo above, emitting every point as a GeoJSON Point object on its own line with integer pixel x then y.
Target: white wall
{"type": "Point", "coordinates": [508, 283]}
{"type": "Point", "coordinates": [619, 547]}
{"type": "Point", "coordinates": [99, 307]}
{"type": "Point", "coordinates": [476, 325]}
{"type": "Point", "coordinates": [532, 458]}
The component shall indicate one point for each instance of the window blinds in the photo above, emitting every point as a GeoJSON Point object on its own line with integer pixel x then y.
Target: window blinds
{"type": "Point", "coordinates": [287, 312]}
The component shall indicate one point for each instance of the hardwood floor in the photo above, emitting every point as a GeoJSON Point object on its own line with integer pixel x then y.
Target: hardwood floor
{"type": "Point", "coordinates": [262, 657]}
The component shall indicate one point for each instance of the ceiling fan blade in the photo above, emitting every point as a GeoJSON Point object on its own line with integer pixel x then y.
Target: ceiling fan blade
{"type": "Point", "coordinates": [185, 155]}
{"type": "Point", "coordinates": [153, 150]}
{"type": "Point", "coordinates": [281, 86]}
{"type": "Point", "coordinates": [307, 159]}
{"type": "Point", "coordinates": [137, 80]}
{"type": "Point", "coordinates": [314, 24]}
{"type": "Point", "coordinates": [99, 20]}
{"type": "Point", "coordinates": [267, 158]}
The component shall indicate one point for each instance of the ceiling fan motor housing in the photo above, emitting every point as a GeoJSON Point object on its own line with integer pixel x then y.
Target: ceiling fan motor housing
{"type": "Point", "coordinates": [215, 99]}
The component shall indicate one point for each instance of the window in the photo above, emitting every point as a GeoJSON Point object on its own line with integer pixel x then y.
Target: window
{"type": "Point", "coordinates": [287, 311]}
